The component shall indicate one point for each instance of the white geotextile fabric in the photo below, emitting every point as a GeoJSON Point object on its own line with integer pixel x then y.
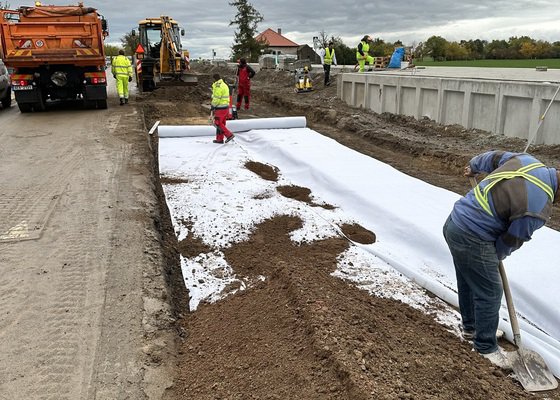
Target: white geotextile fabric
{"type": "Point", "coordinates": [407, 216]}
{"type": "Point", "coordinates": [238, 125]}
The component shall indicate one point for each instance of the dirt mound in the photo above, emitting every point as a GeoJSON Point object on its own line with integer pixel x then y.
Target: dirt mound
{"type": "Point", "coordinates": [267, 172]}
{"type": "Point", "coordinates": [358, 233]}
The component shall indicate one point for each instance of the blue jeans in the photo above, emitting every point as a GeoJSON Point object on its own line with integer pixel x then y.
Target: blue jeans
{"type": "Point", "coordinates": [478, 283]}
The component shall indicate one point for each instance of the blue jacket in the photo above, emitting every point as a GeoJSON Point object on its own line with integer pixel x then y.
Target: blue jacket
{"type": "Point", "coordinates": [516, 207]}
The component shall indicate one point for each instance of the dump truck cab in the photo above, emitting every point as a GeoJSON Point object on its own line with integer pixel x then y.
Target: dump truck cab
{"type": "Point", "coordinates": [160, 58]}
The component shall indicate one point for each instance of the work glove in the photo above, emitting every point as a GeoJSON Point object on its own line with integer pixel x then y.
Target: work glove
{"type": "Point", "coordinates": [130, 78]}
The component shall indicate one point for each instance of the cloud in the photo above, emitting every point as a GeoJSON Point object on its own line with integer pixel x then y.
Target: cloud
{"type": "Point", "coordinates": [207, 23]}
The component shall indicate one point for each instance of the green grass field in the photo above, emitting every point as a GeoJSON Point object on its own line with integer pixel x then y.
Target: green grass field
{"type": "Point", "coordinates": [552, 63]}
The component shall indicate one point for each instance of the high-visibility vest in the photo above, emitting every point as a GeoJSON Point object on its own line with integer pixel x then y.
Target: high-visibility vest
{"type": "Point", "coordinates": [481, 195]}
{"type": "Point", "coordinates": [121, 66]}
{"type": "Point", "coordinates": [220, 94]}
{"type": "Point", "coordinates": [329, 54]}
{"type": "Point", "coordinates": [365, 50]}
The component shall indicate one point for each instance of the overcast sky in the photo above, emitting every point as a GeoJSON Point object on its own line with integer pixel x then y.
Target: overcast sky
{"type": "Point", "coordinates": [206, 22]}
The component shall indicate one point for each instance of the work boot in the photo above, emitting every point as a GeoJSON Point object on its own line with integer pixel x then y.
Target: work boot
{"type": "Point", "coordinates": [499, 358]}
{"type": "Point", "coordinates": [468, 335]}
{"type": "Point", "coordinates": [218, 141]}
{"type": "Point", "coordinates": [122, 101]}
{"type": "Point", "coordinates": [126, 101]}
{"type": "Point", "coordinates": [229, 138]}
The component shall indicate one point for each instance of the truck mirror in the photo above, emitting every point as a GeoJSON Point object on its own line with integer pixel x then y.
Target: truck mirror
{"type": "Point", "coordinates": [133, 33]}
{"type": "Point", "coordinates": [104, 25]}
{"type": "Point", "coordinates": [182, 32]}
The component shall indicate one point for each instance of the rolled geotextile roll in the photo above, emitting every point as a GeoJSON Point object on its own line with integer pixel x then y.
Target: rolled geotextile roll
{"type": "Point", "coordinates": [239, 125]}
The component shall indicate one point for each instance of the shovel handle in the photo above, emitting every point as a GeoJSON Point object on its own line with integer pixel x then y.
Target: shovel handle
{"type": "Point", "coordinates": [507, 292]}
{"type": "Point", "coordinates": [511, 308]}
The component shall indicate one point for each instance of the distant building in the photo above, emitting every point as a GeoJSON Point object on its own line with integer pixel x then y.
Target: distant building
{"type": "Point", "coordinates": [278, 43]}
{"type": "Point", "coordinates": [305, 52]}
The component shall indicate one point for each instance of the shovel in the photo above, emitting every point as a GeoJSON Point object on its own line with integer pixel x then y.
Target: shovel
{"type": "Point", "coordinates": [529, 367]}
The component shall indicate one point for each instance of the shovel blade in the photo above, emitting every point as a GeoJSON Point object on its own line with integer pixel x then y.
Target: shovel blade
{"type": "Point", "coordinates": [531, 370]}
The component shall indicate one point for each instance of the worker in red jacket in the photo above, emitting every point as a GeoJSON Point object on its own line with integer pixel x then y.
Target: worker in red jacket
{"type": "Point", "coordinates": [244, 75]}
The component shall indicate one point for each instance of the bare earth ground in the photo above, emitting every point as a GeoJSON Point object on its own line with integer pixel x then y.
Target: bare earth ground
{"type": "Point", "coordinates": [303, 334]}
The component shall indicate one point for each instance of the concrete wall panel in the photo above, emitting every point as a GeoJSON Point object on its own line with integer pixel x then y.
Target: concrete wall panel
{"type": "Point", "coordinates": [550, 127]}
{"type": "Point", "coordinates": [452, 110]}
{"type": "Point", "coordinates": [359, 94]}
{"type": "Point", "coordinates": [408, 101]}
{"type": "Point", "coordinates": [375, 95]}
{"type": "Point", "coordinates": [389, 103]}
{"type": "Point", "coordinates": [347, 92]}
{"type": "Point", "coordinates": [517, 121]}
{"type": "Point", "coordinates": [429, 103]}
{"type": "Point", "coordinates": [483, 109]}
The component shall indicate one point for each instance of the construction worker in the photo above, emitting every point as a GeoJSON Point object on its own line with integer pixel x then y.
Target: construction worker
{"type": "Point", "coordinates": [487, 225]}
{"type": "Point", "coordinates": [244, 75]}
{"type": "Point", "coordinates": [328, 58]}
{"type": "Point", "coordinates": [220, 109]}
{"type": "Point", "coordinates": [362, 54]}
{"type": "Point", "coordinates": [122, 72]}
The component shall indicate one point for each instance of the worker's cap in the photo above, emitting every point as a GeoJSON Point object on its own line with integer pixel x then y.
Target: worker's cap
{"type": "Point", "coordinates": [242, 61]}
{"type": "Point", "coordinates": [216, 77]}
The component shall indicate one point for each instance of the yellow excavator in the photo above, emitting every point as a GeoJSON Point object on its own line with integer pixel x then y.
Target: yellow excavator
{"type": "Point", "coordinates": [159, 57]}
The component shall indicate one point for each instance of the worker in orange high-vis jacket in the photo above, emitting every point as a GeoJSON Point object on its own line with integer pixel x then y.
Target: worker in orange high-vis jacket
{"type": "Point", "coordinates": [220, 109]}
{"type": "Point", "coordinates": [122, 72]}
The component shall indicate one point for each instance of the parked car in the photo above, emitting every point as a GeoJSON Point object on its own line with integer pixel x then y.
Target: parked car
{"type": "Point", "coordinates": [5, 86]}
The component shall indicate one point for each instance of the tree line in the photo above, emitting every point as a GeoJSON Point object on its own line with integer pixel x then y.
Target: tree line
{"type": "Point", "coordinates": [516, 48]}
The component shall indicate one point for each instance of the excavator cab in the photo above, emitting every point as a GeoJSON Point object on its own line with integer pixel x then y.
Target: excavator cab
{"type": "Point", "coordinates": [160, 59]}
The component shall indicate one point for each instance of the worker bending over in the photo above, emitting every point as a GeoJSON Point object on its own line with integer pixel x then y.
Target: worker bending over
{"type": "Point", "coordinates": [244, 75]}
{"type": "Point", "coordinates": [362, 55]}
{"type": "Point", "coordinates": [220, 109]}
{"type": "Point", "coordinates": [487, 225]}
{"type": "Point", "coordinates": [122, 72]}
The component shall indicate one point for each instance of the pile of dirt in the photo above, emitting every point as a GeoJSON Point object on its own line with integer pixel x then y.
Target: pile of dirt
{"type": "Point", "coordinates": [301, 333]}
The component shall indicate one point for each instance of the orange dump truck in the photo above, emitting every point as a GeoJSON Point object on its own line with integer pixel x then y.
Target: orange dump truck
{"type": "Point", "coordinates": [56, 53]}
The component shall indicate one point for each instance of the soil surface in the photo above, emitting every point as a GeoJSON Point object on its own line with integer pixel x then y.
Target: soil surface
{"type": "Point", "coordinates": [302, 333]}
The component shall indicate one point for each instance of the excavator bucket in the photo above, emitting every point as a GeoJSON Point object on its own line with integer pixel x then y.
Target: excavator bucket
{"type": "Point", "coordinates": [178, 80]}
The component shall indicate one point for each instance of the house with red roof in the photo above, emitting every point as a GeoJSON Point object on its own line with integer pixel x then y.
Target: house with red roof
{"type": "Point", "coordinates": [276, 41]}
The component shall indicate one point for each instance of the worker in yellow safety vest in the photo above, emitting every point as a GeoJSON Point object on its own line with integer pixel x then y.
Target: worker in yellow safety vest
{"type": "Point", "coordinates": [362, 54]}
{"type": "Point", "coordinates": [220, 109]}
{"type": "Point", "coordinates": [122, 72]}
{"type": "Point", "coordinates": [328, 57]}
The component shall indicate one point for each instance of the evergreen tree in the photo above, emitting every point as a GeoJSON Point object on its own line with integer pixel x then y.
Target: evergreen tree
{"type": "Point", "coordinates": [245, 45]}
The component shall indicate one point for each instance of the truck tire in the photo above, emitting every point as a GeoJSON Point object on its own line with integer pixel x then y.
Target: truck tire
{"type": "Point", "coordinates": [7, 101]}
{"type": "Point", "coordinates": [25, 107]}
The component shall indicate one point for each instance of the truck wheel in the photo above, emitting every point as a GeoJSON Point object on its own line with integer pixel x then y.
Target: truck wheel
{"type": "Point", "coordinates": [7, 101]}
{"type": "Point", "coordinates": [41, 104]}
{"type": "Point", "coordinates": [25, 107]}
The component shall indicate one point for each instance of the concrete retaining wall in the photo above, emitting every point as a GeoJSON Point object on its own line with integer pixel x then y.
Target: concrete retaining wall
{"type": "Point", "coordinates": [501, 106]}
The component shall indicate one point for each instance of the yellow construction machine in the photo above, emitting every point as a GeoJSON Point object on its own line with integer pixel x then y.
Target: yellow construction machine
{"type": "Point", "coordinates": [159, 57]}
